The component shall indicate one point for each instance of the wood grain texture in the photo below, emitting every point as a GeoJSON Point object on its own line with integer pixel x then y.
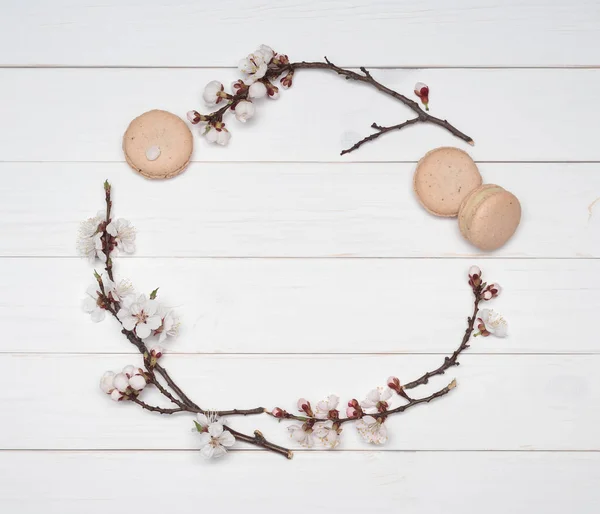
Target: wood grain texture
{"type": "Point", "coordinates": [292, 306]}
{"type": "Point", "coordinates": [448, 482]}
{"type": "Point", "coordinates": [359, 32]}
{"type": "Point", "coordinates": [512, 402]}
{"type": "Point", "coordinates": [513, 115]}
{"type": "Point", "coordinates": [291, 210]}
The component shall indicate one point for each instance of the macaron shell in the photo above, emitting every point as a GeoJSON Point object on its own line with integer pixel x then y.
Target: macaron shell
{"type": "Point", "coordinates": [166, 131]}
{"type": "Point", "coordinates": [469, 205]}
{"type": "Point", "coordinates": [494, 220]}
{"type": "Point", "coordinates": [443, 178]}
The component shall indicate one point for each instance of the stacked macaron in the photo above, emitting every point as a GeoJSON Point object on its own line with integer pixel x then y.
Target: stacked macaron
{"type": "Point", "coordinates": [447, 183]}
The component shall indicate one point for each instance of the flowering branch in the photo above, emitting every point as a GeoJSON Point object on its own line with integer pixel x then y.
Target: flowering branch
{"type": "Point", "coordinates": [143, 319]}
{"type": "Point", "coordinates": [264, 66]}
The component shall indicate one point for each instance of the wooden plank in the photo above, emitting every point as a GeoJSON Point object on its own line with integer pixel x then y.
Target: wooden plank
{"type": "Point", "coordinates": [501, 402]}
{"type": "Point", "coordinates": [513, 115]}
{"type": "Point", "coordinates": [359, 32]}
{"type": "Point", "coordinates": [292, 210]}
{"type": "Point", "coordinates": [308, 306]}
{"type": "Point", "coordinates": [468, 483]}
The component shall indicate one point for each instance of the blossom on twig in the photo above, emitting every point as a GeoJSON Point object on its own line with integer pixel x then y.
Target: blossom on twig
{"type": "Point", "coordinates": [140, 315]}
{"type": "Point", "coordinates": [372, 429]}
{"type": "Point", "coordinates": [213, 93]}
{"type": "Point", "coordinates": [422, 91]}
{"type": "Point", "coordinates": [490, 322]}
{"type": "Point", "coordinates": [377, 400]}
{"type": "Point", "coordinates": [124, 234]}
{"type": "Point", "coordinates": [214, 439]}
{"type": "Point", "coordinates": [244, 110]}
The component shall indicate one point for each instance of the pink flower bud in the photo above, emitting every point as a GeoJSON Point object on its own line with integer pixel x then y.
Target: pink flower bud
{"type": "Point", "coordinates": [422, 91]}
{"type": "Point", "coordinates": [193, 117]}
{"type": "Point", "coordinates": [491, 291]}
{"type": "Point", "coordinates": [116, 395]}
{"type": "Point", "coordinates": [286, 81]}
{"type": "Point", "coordinates": [272, 91]}
{"type": "Point", "coordinates": [351, 412]}
{"type": "Point", "coordinates": [304, 406]}
{"type": "Point", "coordinates": [474, 276]}
{"type": "Point", "coordinates": [278, 413]}
{"type": "Point", "coordinates": [394, 383]}
{"type": "Point", "coordinates": [156, 351]}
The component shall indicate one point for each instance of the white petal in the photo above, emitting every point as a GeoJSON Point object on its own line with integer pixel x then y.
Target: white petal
{"type": "Point", "coordinates": [137, 382]}
{"type": "Point", "coordinates": [219, 452]}
{"type": "Point", "coordinates": [121, 382]}
{"type": "Point", "coordinates": [142, 330]}
{"type": "Point", "coordinates": [112, 229]}
{"type": "Point", "coordinates": [373, 396]}
{"type": "Point", "coordinates": [215, 429]}
{"type": "Point", "coordinates": [129, 370]}
{"type": "Point", "coordinates": [202, 420]}
{"type": "Point", "coordinates": [151, 307]}
{"type": "Point", "coordinates": [116, 395]}
{"type": "Point", "coordinates": [154, 322]}
{"type": "Point", "coordinates": [207, 451]}
{"type": "Point", "coordinates": [98, 315]}
{"type": "Point", "coordinates": [88, 304]}
{"type": "Point", "coordinates": [386, 394]}
{"type": "Point", "coordinates": [129, 322]}
{"type": "Point", "coordinates": [204, 438]}
{"type": "Point", "coordinates": [226, 439]}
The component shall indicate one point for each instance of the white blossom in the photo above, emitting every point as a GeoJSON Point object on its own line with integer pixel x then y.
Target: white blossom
{"type": "Point", "coordinates": [372, 430]}
{"type": "Point", "coordinates": [88, 238]}
{"type": "Point", "coordinates": [220, 136]}
{"type": "Point", "coordinates": [254, 66]}
{"type": "Point", "coordinates": [257, 90]}
{"type": "Point", "coordinates": [212, 92]}
{"type": "Point", "coordinates": [323, 407]}
{"type": "Point", "coordinates": [140, 315]}
{"type": "Point", "coordinates": [169, 327]}
{"type": "Point", "coordinates": [124, 234]}
{"type": "Point", "coordinates": [244, 110]}
{"type": "Point", "coordinates": [327, 435]}
{"type": "Point", "coordinates": [266, 52]}
{"type": "Point", "coordinates": [214, 439]}
{"type": "Point", "coordinates": [137, 382]}
{"type": "Point", "coordinates": [93, 305]}
{"type": "Point", "coordinates": [107, 382]}
{"type": "Point", "coordinates": [490, 322]}
{"type": "Point", "coordinates": [302, 434]}
{"type": "Point", "coordinates": [376, 397]}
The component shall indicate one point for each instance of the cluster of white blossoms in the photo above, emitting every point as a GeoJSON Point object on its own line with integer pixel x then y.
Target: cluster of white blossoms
{"type": "Point", "coordinates": [214, 437]}
{"type": "Point", "coordinates": [90, 241]}
{"type": "Point", "coordinates": [124, 385]}
{"type": "Point", "coordinates": [241, 101]}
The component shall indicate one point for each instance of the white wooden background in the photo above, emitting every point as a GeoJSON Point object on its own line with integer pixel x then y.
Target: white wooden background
{"type": "Point", "coordinates": [297, 272]}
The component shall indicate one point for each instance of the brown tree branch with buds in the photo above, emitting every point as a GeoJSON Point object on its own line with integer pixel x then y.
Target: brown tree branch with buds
{"type": "Point", "coordinates": [280, 65]}
{"type": "Point", "coordinates": [154, 371]}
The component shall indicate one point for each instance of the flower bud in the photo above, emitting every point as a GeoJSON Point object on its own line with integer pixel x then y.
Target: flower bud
{"type": "Point", "coordinates": [156, 351]}
{"type": "Point", "coordinates": [272, 91]}
{"type": "Point", "coordinates": [137, 382]}
{"type": "Point", "coordinates": [491, 291]}
{"type": "Point", "coordinates": [107, 382]}
{"type": "Point", "coordinates": [116, 395]}
{"type": "Point", "coordinates": [278, 413]}
{"type": "Point", "coordinates": [286, 81]}
{"type": "Point", "coordinates": [304, 406]}
{"type": "Point", "coordinates": [213, 92]}
{"type": "Point", "coordinates": [422, 91]}
{"type": "Point", "coordinates": [257, 90]}
{"type": "Point", "coordinates": [474, 276]}
{"type": "Point", "coordinates": [121, 382]}
{"type": "Point", "coordinates": [351, 412]}
{"type": "Point", "coordinates": [244, 110]}
{"type": "Point", "coordinates": [238, 86]}
{"type": "Point", "coordinates": [394, 383]}
{"type": "Point", "coordinates": [193, 117]}
{"type": "Point", "coordinates": [129, 371]}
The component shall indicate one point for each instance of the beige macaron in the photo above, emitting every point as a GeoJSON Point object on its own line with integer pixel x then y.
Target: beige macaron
{"type": "Point", "coordinates": [158, 144]}
{"type": "Point", "coordinates": [489, 216]}
{"type": "Point", "coordinates": [443, 178]}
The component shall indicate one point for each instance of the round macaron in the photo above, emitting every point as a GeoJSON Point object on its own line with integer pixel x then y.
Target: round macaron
{"type": "Point", "coordinates": [489, 216]}
{"type": "Point", "coordinates": [443, 178]}
{"type": "Point", "coordinates": [158, 144]}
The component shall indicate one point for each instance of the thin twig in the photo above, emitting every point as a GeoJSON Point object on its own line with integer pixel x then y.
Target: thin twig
{"type": "Point", "coordinates": [152, 408]}
{"type": "Point", "coordinates": [259, 440]}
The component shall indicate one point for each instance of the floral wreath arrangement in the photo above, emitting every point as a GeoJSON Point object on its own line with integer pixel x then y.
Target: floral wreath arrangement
{"type": "Point", "coordinates": [144, 321]}
{"type": "Point", "coordinates": [264, 66]}
{"type": "Point", "coordinates": [147, 324]}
